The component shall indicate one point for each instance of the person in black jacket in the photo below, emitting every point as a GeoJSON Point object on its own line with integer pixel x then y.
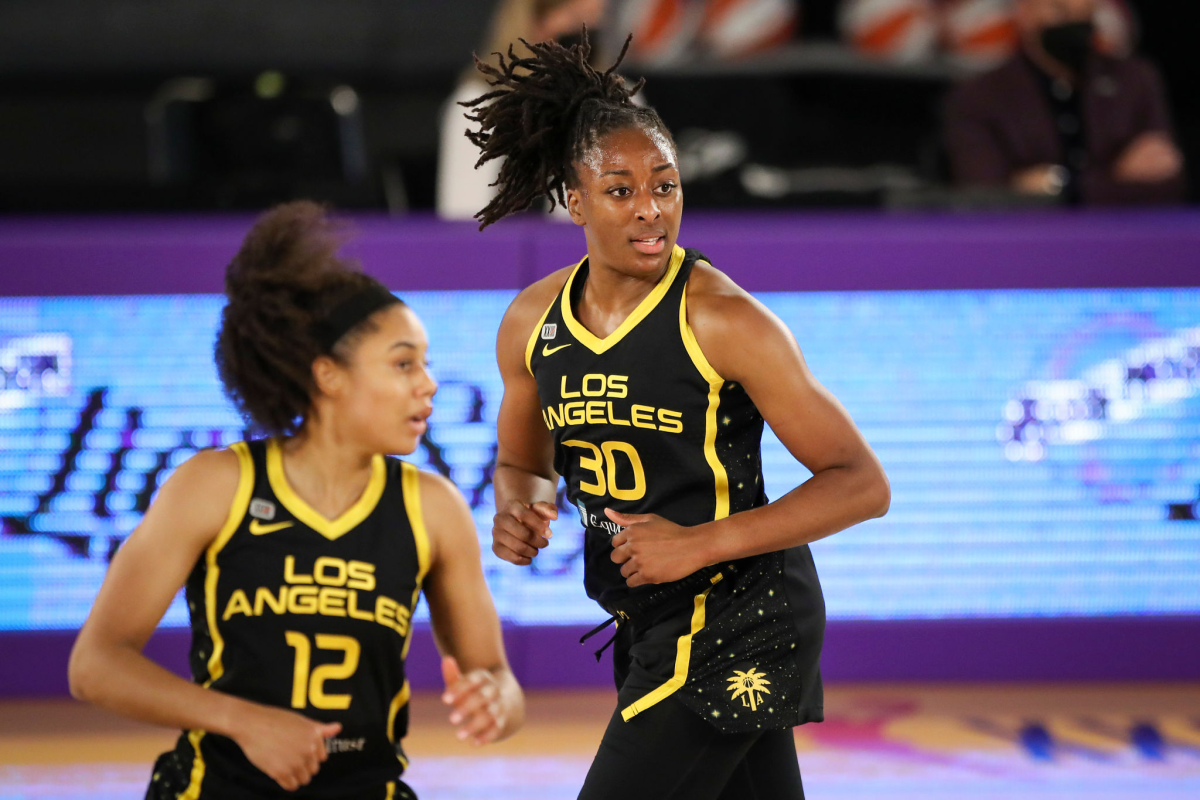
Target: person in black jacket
{"type": "Point", "coordinates": [1062, 119]}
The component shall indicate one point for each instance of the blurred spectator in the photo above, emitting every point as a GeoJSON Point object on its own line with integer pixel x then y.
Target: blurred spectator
{"type": "Point", "coordinates": [1062, 118]}
{"type": "Point", "coordinates": [461, 188]}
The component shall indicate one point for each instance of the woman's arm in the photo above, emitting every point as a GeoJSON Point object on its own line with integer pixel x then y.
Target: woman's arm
{"type": "Point", "coordinates": [487, 704]}
{"type": "Point", "coordinates": [745, 342]}
{"type": "Point", "coordinates": [524, 482]}
{"type": "Point", "coordinates": [107, 667]}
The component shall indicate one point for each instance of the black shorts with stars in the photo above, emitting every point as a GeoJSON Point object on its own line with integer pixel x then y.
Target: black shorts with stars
{"type": "Point", "coordinates": [743, 652]}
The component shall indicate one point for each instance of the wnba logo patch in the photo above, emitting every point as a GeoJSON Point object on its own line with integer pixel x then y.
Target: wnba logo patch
{"type": "Point", "coordinates": [749, 686]}
{"type": "Point", "coordinates": [262, 509]}
{"type": "Point", "coordinates": [550, 330]}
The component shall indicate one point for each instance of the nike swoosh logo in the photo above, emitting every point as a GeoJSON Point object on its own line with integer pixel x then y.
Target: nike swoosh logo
{"type": "Point", "coordinates": [258, 529]}
{"type": "Point", "coordinates": [547, 350]}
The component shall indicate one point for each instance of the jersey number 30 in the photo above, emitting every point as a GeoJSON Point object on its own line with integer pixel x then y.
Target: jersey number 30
{"type": "Point", "coordinates": [603, 464]}
{"type": "Point", "coordinates": [309, 689]}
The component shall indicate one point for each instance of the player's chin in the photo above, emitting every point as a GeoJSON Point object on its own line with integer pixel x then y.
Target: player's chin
{"type": "Point", "coordinates": [401, 443]}
{"type": "Point", "coordinates": [646, 265]}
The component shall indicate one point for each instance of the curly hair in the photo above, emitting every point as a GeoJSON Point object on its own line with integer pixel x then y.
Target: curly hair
{"type": "Point", "coordinates": [543, 114]}
{"type": "Point", "coordinates": [285, 278]}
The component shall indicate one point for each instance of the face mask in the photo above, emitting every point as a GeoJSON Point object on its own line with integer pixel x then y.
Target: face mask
{"type": "Point", "coordinates": [1069, 44]}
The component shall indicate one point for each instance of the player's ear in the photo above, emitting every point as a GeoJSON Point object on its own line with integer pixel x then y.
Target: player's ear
{"type": "Point", "coordinates": [574, 203]}
{"type": "Point", "coordinates": [328, 376]}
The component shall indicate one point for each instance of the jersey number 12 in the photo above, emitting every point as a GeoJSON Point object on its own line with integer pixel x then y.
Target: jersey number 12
{"type": "Point", "coordinates": [309, 688]}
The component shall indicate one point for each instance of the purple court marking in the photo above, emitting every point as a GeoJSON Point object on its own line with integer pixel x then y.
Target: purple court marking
{"type": "Point", "coordinates": [762, 252]}
{"type": "Point", "coordinates": [542, 657]}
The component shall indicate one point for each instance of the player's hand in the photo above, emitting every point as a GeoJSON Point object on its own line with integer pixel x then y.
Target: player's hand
{"type": "Point", "coordinates": [477, 707]}
{"type": "Point", "coordinates": [1150, 158]}
{"type": "Point", "coordinates": [288, 747]}
{"type": "Point", "coordinates": [520, 530]}
{"type": "Point", "coordinates": [652, 549]}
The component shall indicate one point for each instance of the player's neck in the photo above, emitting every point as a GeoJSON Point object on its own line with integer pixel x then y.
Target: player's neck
{"type": "Point", "coordinates": [325, 468]}
{"type": "Point", "coordinates": [609, 296]}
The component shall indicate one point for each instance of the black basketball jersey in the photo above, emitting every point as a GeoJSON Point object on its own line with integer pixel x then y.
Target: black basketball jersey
{"type": "Point", "coordinates": [294, 610]}
{"type": "Point", "coordinates": [641, 422]}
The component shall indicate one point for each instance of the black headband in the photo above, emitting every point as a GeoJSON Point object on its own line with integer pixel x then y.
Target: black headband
{"type": "Point", "coordinates": [351, 311]}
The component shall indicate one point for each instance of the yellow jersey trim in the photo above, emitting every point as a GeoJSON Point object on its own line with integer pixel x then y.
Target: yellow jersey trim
{"type": "Point", "coordinates": [715, 382]}
{"type": "Point", "coordinates": [398, 702]}
{"type": "Point", "coordinates": [598, 345]}
{"type": "Point", "coordinates": [192, 792]}
{"type": "Point", "coordinates": [683, 657]}
{"type": "Point", "coordinates": [531, 345]}
{"type": "Point", "coordinates": [329, 528]}
{"type": "Point", "coordinates": [410, 483]}
{"type": "Point", "coordinates": [237, 512]}
{"type": "Point", "coordinates": [391, 788]}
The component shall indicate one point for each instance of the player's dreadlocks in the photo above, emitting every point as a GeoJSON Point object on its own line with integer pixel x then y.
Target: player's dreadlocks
{"type": "Point", "coordinates": [544, 114]}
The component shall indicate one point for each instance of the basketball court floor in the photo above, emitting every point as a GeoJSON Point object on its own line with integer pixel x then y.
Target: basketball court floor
{"type": "Point", "coordinates": [996, 742]}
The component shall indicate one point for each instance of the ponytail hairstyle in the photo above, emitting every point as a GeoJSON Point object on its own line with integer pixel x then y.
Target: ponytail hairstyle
{"type": "Point", "coordinates": [283, 284]}
{"type": "Point", "coordinates": [544, 113]}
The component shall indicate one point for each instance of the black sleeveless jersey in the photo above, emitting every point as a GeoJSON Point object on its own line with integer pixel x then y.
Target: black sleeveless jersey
{"type": "Point", "coordinates": [642, 423]}
{"type": "Point", "coordinates": [294, 610]}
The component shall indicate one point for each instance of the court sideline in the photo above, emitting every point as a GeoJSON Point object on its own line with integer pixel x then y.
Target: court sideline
{"type": "Point", "coordinates": [896, 741]}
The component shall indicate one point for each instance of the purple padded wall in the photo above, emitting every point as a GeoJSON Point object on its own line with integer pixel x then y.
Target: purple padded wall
{"type": "Point", "coordinates": [762, 252]}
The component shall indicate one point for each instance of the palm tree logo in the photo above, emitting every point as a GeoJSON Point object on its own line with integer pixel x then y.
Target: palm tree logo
{"type": "Point", "coordinates": [749, 685]}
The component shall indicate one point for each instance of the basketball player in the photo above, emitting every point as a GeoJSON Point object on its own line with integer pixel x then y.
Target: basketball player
{"type": "Point", "coordinates": [303, 555]}
{"type": "Point", "coordinates": [642, 375]}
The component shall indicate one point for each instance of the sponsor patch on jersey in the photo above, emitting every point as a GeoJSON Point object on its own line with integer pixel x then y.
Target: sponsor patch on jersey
{"type": "Point", "coordinates": [262, 509]}
{"type": "Point", "coordinates": [345, 745]}
{"type": "Point", "coordinates": [550, 330]}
